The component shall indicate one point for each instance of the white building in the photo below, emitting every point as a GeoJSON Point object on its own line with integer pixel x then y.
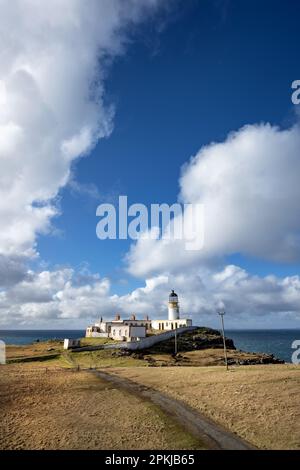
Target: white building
{"type": "Point", "coordinates": [123, 330]}
{"type": "Point", "coordinates": [174, 321]}
{"type": "Point", "coordinates": [133, 330]}
{"type": "Point", "coordinates": [2, 352]}
{"type": "Point", "coordinates": [71, 343]}
{"type": "Point", "coordinates": [127, 332]}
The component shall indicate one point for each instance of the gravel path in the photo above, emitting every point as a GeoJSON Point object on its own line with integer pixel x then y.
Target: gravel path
{"type": "Point", "coordinates": [212, 434]}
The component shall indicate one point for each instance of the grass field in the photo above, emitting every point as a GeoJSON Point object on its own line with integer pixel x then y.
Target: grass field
{"type": "Point", "coordinates": [259, 403]}
{"type": "Point", "coordinates": [65, 409]}
{"type": "Point", "coordinates": [32, 350]}
{"type": "Point", "coordinates": [102, 358]}
{"type": "Point", "coordinates": [43, 351]}
{"type": "Point", "coordinates": [96, 341]}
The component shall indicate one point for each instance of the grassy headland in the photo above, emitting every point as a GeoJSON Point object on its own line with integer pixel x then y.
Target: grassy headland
{"type": "Point", "coordinates": [259, 403]}
{"type": "Point", "coordinates": [48, 401]}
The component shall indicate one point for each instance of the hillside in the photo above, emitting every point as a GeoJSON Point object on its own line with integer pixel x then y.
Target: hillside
{"type": "Point", "coordinates": [200, 347]}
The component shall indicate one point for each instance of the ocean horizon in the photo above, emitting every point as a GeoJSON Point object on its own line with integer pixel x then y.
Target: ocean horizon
{"type": "Point", "coordinates": [271, 341]}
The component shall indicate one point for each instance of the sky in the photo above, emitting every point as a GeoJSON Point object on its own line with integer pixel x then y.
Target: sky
{"type": "Point", "coordinates": [161, 101]}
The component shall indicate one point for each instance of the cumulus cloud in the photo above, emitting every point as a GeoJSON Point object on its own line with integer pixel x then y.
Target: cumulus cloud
{"type": "Point", "coordinates": [64, 298]}
{"type": "Point", "coordinates": [53, 65]}
{"type": "Point", "coordinates": [249, 186]}
{"type": "Point", "coordinates": [53, 62]}
{"type": "Point", "coordinates": [54, 58]}
{"type": "Point", "coordinates": [12, 270]}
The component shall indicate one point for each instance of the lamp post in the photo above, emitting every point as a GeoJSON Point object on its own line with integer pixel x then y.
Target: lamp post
{"type": "Point", "coordinates": [222, 313]}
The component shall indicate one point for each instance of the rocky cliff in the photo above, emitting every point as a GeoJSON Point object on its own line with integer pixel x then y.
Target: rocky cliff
{"type": "Point", "coordinates": [203, 346]}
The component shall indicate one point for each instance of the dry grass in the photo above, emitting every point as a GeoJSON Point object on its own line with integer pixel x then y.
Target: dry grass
{"type": "Point", "coordinates": [259, 403]}
{"type": "Point", "coordinates": [35, 349]}
{"type": "Point", "coordinates": [63, 409]}
{"type": "Point", "coordinates": [96, 341]}
{"type": "Point", "coordinates": [111, 358]}
{"type": "Point", "coordinates": [103, 358]}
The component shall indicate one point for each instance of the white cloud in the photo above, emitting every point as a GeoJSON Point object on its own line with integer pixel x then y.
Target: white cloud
{"type": "Point", "coordinates": [66, 299]}
{"type": "Point", "coordinates": [53, 65]}
{"type": "Point", "coordinates": [249, 186]}
{"type": "Point", "coordinates": [12, 270]}
{"type": "Point", "coordinates": [53, 62]}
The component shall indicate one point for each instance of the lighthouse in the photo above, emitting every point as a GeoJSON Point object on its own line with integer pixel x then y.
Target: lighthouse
{"type": "Point", "coordinates": [173, 306]}
{"type": "Point", "coordinates": [173, 321]}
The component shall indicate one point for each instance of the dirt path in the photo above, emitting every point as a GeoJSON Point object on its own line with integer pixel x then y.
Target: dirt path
{"type": "Point", "coordinates": [63, 409]}
{"type": "Point", "coordinates": [212, 434]}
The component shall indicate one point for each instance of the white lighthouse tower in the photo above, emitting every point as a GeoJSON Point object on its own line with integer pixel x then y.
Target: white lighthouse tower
{"type": "Point", "coordinates": [174, 321]}
{"type": "Point", "coordinates": [173, 306]}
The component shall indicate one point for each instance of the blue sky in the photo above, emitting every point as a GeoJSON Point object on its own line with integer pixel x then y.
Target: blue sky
{"type": "Point", "coordinates": [215, 67]}
{"type": "Point", "coordinates": [180, 76]}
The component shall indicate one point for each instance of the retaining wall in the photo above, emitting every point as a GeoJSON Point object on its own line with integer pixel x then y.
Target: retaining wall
{"type": "Point", "coordinates": [142, 344]}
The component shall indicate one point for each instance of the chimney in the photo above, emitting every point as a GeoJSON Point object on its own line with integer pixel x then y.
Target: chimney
{"type": "Point", "coordinates": [132, 317]}
{"type": "Point", "coordinates": [118, 318]}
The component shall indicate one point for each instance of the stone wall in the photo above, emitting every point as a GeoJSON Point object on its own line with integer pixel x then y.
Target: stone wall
{"type": "Point", "coordinates": [149, 341]}
{"type": "Point", "coordinates": [142, 344]}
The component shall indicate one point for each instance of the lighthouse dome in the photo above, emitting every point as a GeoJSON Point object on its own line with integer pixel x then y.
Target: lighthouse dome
{"type": "Point", "coordinates": [173, 296]}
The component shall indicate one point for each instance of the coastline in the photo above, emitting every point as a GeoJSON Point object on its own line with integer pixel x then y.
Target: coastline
{"type": "Point", "coordinates": [252, 340]}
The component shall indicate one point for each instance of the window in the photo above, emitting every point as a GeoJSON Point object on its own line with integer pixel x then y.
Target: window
{"type": "Point", "coordinates": [114, 332]}
{"type": "Point", "coordinates": [120, 332]}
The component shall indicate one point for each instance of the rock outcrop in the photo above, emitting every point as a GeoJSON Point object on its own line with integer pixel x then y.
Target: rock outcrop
{"type": "Point", "coordinates": [209, 343]}
{"type": "Point", "coordinates": [202, 338]}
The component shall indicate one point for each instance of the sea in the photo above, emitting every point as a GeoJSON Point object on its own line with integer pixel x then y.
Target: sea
{"type": "Point", "coordinates": [277, 342]}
